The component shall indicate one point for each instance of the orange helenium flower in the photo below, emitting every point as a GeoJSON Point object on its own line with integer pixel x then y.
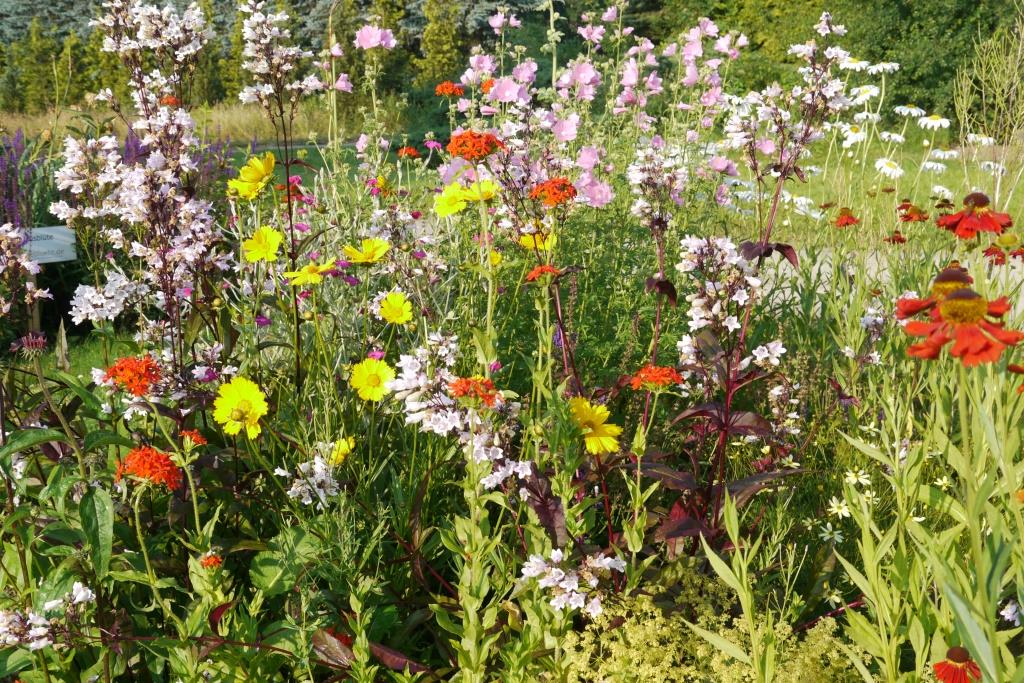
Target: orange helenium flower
{"type": "Point", "coordinates": [135, 375]}
{"type": "Point", "coordinates": [554, 191]}
{"type": "Point", "coordinates": [845, 218]}
{"type": "Point", "coordinates": [976, 216]}
{"type": "Point", "coordinates": [475, 387]}
{"type": "Point", "coordinates": [146, 462]}
{"type": "Point", "coordinates": [474, 146]}
{"type": "Point", "coordinates": [541, 271]}
{"type": "Point", "coordinates": [948, 281]}
{"type": "Point", "coordinates": [654, 377]}
{"type": "Point", "coordinates": [448, 89]}
{"type": "Point", "coordinates": [973, 324]}
{"type": "Point", "coordinates": [957, 667]}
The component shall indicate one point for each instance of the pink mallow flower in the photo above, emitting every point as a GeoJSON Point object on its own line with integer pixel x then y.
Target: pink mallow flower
{"type": "Point", "coordinates": [369, 37]}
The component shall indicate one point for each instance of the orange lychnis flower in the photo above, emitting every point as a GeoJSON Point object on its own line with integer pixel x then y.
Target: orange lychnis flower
{"type": "Point", "coordinates": [475, 387]}
{"type": "Point", "coordinates": [541, 271]}
{"type": "Point", "coordinates": [146, 462]}
{"type": "Point", "coordinates": [845, 218]}
{"type": "Point", "coordinates": [211, 561]}
{"type": "Point", "coordinates": [957, 667]}
{"type": "Point", "coordinates": [976, 216]}
{"type": "Point", "coordinates": [408, 152]}
{"type": "Point", "coordinates": [194, 436]}
{"type": "Point", "coordinates": [655, 377]}
{"type": "Point", "coordinates": [474, 146]}
{"type": "Point", "coordinates": [170, 101]}
{"type": "Point", "coordinates": [965, 318]}
{"type": "Point", "coordinates": [135, 375]}
{"type": "Point", "coordinates": [487, 85]}
{"type": "Point", "coordinates": [553, 191]}
{"type": "Point", "coordinates": [448, 89]}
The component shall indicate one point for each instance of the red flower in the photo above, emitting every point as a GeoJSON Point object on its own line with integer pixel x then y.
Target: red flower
{"type": "Point", "coordinates": [963, 318]}
{"type": "Point", "coordinates": [957, 667]}
{"type": "Point", "coordinates": [911, 213]}
{"type": "Point", "coordinates": [408, 152]}
{"type": "Point", "coordinates": [135, 375]}
{"type": "Point", "coordinates": [845, 218]}
{"type": "Point", "coordinates": [194, 436]}
{"type": "Point", "coordinates": [475, 387]}
{"type": "Point", "coordinates": [975, 217]}
{"type": "Point", "coordinates": [654, 377]}
{"type": "Point", "coordinates": [448, 89]}
{"type": "Point", "coordinates": [995, 255]}
{"type": "Point", "coordinates": [1017, 370]}
{"type": "Point", "coordinates": [170, 101]}
{"type": "Point", "coordinates": [473, 146]}
{"type": "Point", "coordinates": [541, 271]}
{"type": "Point", "coordinates": [211, 561]}
{"type": "Point", "coordinates": [487, 85]}
{"type": "Point", "coordinates": [554, 191]}
{"type": "Point", "coordinates": [146, 462]}
{"type": "Point", "coordinates": [896, 238]}
{"type": "Point", "coordinates": [948, 281]}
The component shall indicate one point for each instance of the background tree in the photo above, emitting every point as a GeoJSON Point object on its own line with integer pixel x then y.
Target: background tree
{"type": "Point", "coordinates": [441, 45]}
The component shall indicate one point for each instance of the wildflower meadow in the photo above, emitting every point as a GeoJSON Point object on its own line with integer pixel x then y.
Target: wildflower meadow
{"type": "Point", "coordinates": [584, 356]}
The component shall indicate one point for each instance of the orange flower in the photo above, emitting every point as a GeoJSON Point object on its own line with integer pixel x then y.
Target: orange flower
{"type": "Point", "coordinates": [962, 317]}
{"type": "Point", "coordinates": [896, 238]}
{"type": "Point", "coordinates": [554, 191]}
{"type": "Point", "coordinates": [845, 218]}
{"type": "Point", "coordinates": [146, 462]}
{"type": "Point", "coordinates": [473, 146]}
{"type": "Point", "coordinates": [1017, 370]}
{"type": "Point", "coordinates": [475, 387]}
{"type": "Point", "coordinates": [408, 152]}
{"type": "Point", "coordinates": [194, 436]}
{"type": "Point", "coordinates": [448, 89]}
{"type": "Point", "coordinates": [911, 213]}
{"type": "Point", "coordinates": [957, 667]}
{"type": "Point", "coordinates": [135, 375]}
{"type": "Point", "coordinates": [211, 560]}
{"type": "Point", "coordinates": [170, 101]}
{"type": "Point", "coordinates": [976, 216]}
{"type": "Point", "coordinates": [541, 271]}
{"type": "Point", "coordinates": [487, 85]}
{"type": "Point", "coordinates": [655, 377]}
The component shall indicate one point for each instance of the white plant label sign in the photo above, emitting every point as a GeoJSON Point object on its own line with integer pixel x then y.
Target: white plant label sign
{"type": "Point", "coordinates": [51, 244]}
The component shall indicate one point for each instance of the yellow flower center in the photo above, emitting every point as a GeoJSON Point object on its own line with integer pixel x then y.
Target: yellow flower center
{"type": "Point", "coordinates": [949, 281]}
{"type": "Point", "coordinates": [963, 306]}
{"type": "Point", "coordinates": [241, 411]}
{"type": "Point", "coordinates": [373, 381]}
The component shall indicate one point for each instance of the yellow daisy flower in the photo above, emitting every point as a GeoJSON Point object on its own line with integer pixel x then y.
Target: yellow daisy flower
{"type": "Point", "coordinates": [240, 403]}
{"type": "Point", "coordinates": [310, 274]}
{"type": "Point", "coordinates": [340, 451]}
{"type": "Point", "coordinates": [369, 377]}
{"type": "Point", "coordinates": [396, 308]}
{"type": "Point", "coordinates": [373, 250]}
{"type": "Point", "coordinates": [263, 245]}
{"type": "Point", "coordinates": [253, 177]}
{"type": "Point", "coordinates": [451, 201]}
{"type": "Point", "coordinates": [481, 191]}
{"type": "Point", "coordinates": [538, 241]}
{"type": "Point", "coordinates": [598, 436]}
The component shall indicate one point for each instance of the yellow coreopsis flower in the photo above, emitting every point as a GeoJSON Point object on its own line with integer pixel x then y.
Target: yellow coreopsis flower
{"type": "Point", "coordinates": [240, 404]}
{"type": "Point", "coordinates": [373, 250]}
{"type": "Point", "coordinates": [310, 274]}
{"type": "Point", "coordinates": [495, 258]}
{"type": "Point", "coordinates": [451, 201]}
{"type": "Point", "coordinates": [598, 436]}
{"type": "Point", "coordinates": [396, 308]}
{"type": "Point", "coordinates": [481, 191]}
{"type": "Point", "coordinates": [538, 241]}
{"type": "Point", "coordinates": [253, 177]}
{"type": "Point", "coordinates": [340, 451]}
{"type": "Point", "coordinates": [263, 245]}
{"type": "Point", "coordinates": [369, 378]}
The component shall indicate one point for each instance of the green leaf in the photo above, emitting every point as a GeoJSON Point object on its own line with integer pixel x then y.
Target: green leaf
{"type": "Point", "coordinates": [12, 661]}
{"type": "Point", "coordinates": [974, 638]}
{"type": "Point", "coordinates": [97, 512]}
{"type": "Point", "coordinates": [94, 440]}
{"type": "Point", "coordinates": [727, 646]}
{"type": "Point", "coordinates": [272, 572]}
{"type": "Point", "coordinates": [23, 439]}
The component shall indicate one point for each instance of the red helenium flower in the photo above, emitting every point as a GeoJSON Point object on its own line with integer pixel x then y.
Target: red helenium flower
{"type": "Point", "coordinates": [957, 667]}
{"type": "Point", "coordinates": [976, 216]}
{"type": "Point", "coordinates": [973, 324]}
{"type": "Point", "coordinates": [911, 213]}
{"type": "Point", "coordinates": [845, 218]}
{"type": "Point", "coordinates": [896, 238]}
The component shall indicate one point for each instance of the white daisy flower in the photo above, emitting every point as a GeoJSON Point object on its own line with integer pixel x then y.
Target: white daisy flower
{"type": "Point", "coordinates": [944, 154]}
{"type": "Point", "coordinates": [894, 138]}
{"type": "Point", "coordinates": [866, 117]}
{"type": "Point", "coordinates": [864, 93]}
{"type": "Point", "coordinates": [909, 110]}
{"type": "Point", "coordinates": [888, 168]}
{"type": "Point", "coordinates": [942, 192]}
{"type": "Point", "coordinates": [980, 140]}
{"type": "Point", "coordinates": [933, 166]}
{"type": "Point", "coordinates": [852, 135]}
{"type": "Point", "coordinates": [854, 64]}
{"type": "Point", "coordinates": [993, 167]}
{"type": "Point", "coordinates": [883, 68]}
{"type": "Point", "coordinates": [933, 122]}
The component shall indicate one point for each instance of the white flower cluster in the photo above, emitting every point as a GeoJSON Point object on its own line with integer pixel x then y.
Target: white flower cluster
{"type": "Point", "coordinates": [727, 283]}
{"type": "Point", "coordinates": [314, 482]}
{"type": "Point", "coordinates": [576, 588]}
{"type": "Point", "coordinates": [657, 178]}
{"type": "Point", "coordinates": [90, 303]}
{"type": "Point", "coordinates": [273, 63]}
{"type": "Point", "coordinates": [132, 27]}
{"type": "Point", "coordinates": [768, 355]}
{"type": "Point", "coordinates": [15, 264]}
{"type": "Point", "coordinates": [422, 385]}
{"type": "Point", "coordinates": [35, 631]}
